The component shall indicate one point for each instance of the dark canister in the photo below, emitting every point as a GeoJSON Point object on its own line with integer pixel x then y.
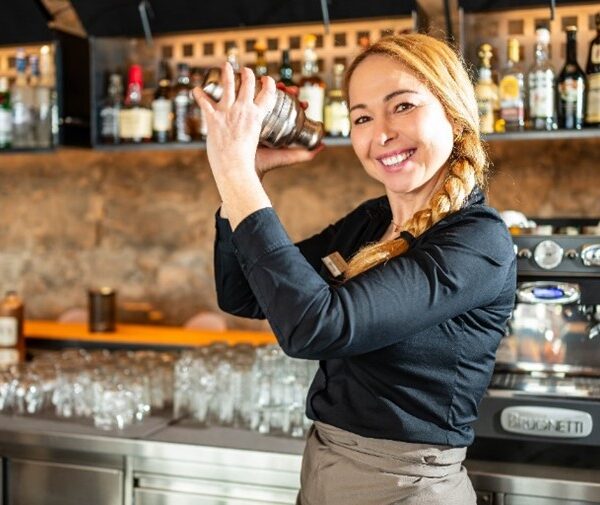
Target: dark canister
{"type": "Point", "coordinates": [102, 309]}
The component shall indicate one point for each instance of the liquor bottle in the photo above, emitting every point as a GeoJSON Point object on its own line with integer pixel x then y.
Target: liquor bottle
{"type": "Point", "coordinates": [511, 91]}
{"type": "Point", "coordinates": [197, 123]}
{"type": "Point", "coordinates": [5, 115]}
{"type": "Point", "coordinates": [12, 340]}
{"type": "Point", "coordinates": [22, 99]}
{"type": "Point", "coordinates": [110, 112]}
{"type": "Point", "coordinates": [571, 87]}
{"type": "Point", "coordinates": [311, 86]}
{"type": "Point", "coordinates": [541, 84]}
{"type": "Point", "coordinates": [260, 67]}
{"type": "Point", "coordinates": [135, 120]}
{"type": "Point", "coordinates": [337, 118]}
{"type": "Point", "coordinates": [232, 58]}
{"type": "Point", "coordinates": [286, 72]}
{"type": "Point", "coordinates": [182, 104]}
{"type": "Point", "coordinates": [486, 91]}
{"type": "Point", "coordinates": [162, 106]}
{"type": "Point", "coordinates": [34, 110]}
{"type": "Point", "coordinates": [592, 116]}
{"type": "Point", "coordinates": [46, 100]}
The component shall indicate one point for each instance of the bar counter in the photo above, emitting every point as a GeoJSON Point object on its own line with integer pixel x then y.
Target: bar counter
{"type": "Point", "coordinates": [140, 335]}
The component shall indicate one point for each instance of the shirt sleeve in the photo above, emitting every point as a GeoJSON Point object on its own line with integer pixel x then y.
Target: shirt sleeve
{"type": "Point", "coordinates": [457, 269]}
{"type": "Point", "coordinates": [234, 294]}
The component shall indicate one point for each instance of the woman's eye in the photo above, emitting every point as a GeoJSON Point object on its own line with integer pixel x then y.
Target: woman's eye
{"type": "Point", "coordinates": [403, 106]}
{"type": "Point", "coordinates": [361, 120]}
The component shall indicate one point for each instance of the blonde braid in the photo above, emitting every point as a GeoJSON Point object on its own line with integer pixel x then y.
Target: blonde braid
{"type": "Point", "coordinates": [465, 171]}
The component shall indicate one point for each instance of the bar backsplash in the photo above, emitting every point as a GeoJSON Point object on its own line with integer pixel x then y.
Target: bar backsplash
{"type": "Point", "coordinates": [143, 221]}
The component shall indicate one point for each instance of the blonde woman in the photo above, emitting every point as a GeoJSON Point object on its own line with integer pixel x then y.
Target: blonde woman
{"type": "Point", "coordinates": [406, 338]}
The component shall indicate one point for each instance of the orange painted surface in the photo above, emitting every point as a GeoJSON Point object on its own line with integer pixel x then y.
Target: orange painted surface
{"type": "Point", "coordinates": [143, 335]}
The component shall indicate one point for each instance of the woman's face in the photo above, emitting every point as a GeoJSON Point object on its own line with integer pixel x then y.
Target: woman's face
{"type": "Point", "coordinates": [400, 131]}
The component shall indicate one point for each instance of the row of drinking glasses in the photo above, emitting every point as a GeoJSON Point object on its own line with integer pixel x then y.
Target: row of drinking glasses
{"type": "Point", "coordinates": [257, 388]}
{"type": "Point", "coordinates": [114, 389]}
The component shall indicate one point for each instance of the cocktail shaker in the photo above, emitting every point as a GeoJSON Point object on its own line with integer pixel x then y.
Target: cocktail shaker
{"type": "Point", "coordinates": [284, 125]}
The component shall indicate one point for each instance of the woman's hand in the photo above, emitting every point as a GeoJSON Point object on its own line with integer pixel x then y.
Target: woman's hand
{"type": "Point", "coordinates": [234, 123]}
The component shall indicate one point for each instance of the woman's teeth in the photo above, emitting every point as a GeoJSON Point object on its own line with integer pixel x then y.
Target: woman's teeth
{"type": "Point", "coordinates": [397, 158]}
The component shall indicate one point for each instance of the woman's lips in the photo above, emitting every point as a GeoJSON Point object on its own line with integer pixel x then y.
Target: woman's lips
{"type": "Point", "coordinates": [395, 161]}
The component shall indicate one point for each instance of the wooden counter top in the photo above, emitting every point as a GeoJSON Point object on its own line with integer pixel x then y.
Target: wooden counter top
{"type": "Point", "coordinates": [143, 335]}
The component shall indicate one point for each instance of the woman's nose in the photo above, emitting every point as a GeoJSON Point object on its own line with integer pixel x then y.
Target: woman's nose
{"type": "Point", "coordinates": [384, 133]}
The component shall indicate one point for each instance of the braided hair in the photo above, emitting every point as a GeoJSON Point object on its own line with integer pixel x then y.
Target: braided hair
{"type": "Point", "coordinates": [438, 66]}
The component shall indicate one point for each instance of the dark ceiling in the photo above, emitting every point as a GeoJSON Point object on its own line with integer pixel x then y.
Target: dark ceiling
{"type": "Point", "coordinates": [22, 22]}
{"type": "Point", "coordinates": [490, 5]}
{"type": "Point", "coordinates": [121, 17]}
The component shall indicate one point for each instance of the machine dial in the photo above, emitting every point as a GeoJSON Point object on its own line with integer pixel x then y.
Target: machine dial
{"type": "Point", "coordinates": [590, 254]}
{"type": "Point", "coordinates": [548, 254]}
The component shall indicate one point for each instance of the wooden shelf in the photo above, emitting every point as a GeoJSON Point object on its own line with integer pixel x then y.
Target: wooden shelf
{"type": "Point", "coordinates": [141, 335]}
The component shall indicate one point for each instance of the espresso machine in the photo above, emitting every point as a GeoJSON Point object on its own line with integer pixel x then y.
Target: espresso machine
{"type": "Point", "coordinates": [538, 433]}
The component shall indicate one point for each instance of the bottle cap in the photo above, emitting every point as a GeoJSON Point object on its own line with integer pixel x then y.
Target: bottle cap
{"type": "Point", "coordinates": [571, 28]}
{"type": "Point", "coordinates": [542, 35]}
{"type": "Point", "coordinates": [135, 75]}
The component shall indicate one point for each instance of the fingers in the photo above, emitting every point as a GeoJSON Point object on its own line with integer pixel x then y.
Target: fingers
{"type": "Point", "coordinates": [228, 83]}
{"type": "Point", "coordinates": [267, 96]}
{"type": "Point", "coordinates": [206, 103]}
{"type": "Point", "coordinates": [247, 87]}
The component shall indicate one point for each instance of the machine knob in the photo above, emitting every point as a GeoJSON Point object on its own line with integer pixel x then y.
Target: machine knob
{"type": "Point", "coordinates": [524, 253]}
{"type": "Point", "coordinates": [548, 254]}
{"type": "Point", "coordinates": [571, 254]}
{"type": "Point", "coordinates": [590, 254]}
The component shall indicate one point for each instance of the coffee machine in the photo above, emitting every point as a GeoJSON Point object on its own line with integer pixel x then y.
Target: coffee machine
{"type": "Point", "coordinates": [538, 432]}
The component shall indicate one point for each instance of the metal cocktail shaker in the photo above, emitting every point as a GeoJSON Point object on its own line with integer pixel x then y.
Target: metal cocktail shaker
{"type": "Point", "coordinates": [286, 124]}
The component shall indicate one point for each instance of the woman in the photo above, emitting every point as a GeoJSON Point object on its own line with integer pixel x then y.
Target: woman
{"type": "Point", "coordinates": [406, 337]}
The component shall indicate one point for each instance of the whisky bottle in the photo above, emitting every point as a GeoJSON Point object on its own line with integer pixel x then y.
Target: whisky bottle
{"type": "Point", "coordinates": [46, 102]}
{"type": "Point", "coordinates": [311, 86]}
{"type": "Point", "coordinates": [109, 114]}
{"type": "Point", "coordinates": [260, 67]}
{"type": "Point", "coordinates": [512, 91]}
{"type": "Point", "coordinates": [135, 120]}
{"type": "Point", "coordinates": [286, 72]}
{"type": "Point", "coordinates": [198, 125]}
{"type": "Point", "coordinates": [592, 116]}
{"type": "Point", "coordinates": [182, 102]}
{"type": "Point", "coordinates": [486, 91]}
{"type": "Point", "coordinates": [541, 85]}
{"type": "Point", "coordinates": [571, 87]}
{"type": "Point", "coordinates": [22, 101]}
{"type": "Point", "coordinates": [12, 339]}
{"type": "Point", "coordinates": [337, 119]}
{"type": "Point", "coordinates": [162, 106]}
{"type": "Point", "coordinates": [5, 115]}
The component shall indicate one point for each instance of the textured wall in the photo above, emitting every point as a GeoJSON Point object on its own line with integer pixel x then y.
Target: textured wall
{"type": "Point", "coordinates": [143, 221]}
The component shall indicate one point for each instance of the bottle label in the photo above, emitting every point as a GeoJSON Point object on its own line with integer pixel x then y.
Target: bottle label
{"type": "Point", "coordinates": [20, 113]}
{"type": "Point", "coordinates": [509, 88]}
{"type": "Point", "coordinates": [486, 114]}
{"type": "Point", "coordinates": [593, 98]}
{"type": "Point", "coordinates": [8, 357]}
{"type": "Point", "coordinates": [571, 90]}
{"type": "Point", "coordinates": [541, 94]}
{"type": "Point", "coordinates": [595, 54]}
{"type": "Point", "coordinates": [314, 95]}
{"type": "Point", "coordinates": [5, 127]}
{"type": "Point", "coordinates": [182, 105]}
{"type": "Point", "coordinates": [337, 121]}
{"type": "Point", "coordinates": [109, 122]}
{"type": "Point", "coordinates": [135, 123]}
{"type": "Point", "coordinates": [161, 115]}
{"type": "Point", "coordinates": [8, 331]}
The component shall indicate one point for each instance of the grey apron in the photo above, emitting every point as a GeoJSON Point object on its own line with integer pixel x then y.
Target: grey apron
{"type": "Point", "coordinates": [341, 468]}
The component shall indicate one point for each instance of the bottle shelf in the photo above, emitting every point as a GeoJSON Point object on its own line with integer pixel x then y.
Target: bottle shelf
{"type": "Point", "coordinates": [585, 133]}
{"type": "Point", "coordinates": [27, 150]}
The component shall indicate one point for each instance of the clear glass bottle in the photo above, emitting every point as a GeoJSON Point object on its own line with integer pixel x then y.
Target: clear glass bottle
{"type": "Point", "coordinates": [162, 106]}
{"type": "Point", "coordinates": [286, 72]}
{"type": "Point", "coordinates": [511, 91]}
{"type": "Point", "coordinates": [260, 67]}
{"type": "Point", "coordinates": [47, 103]}
{"type": "Point", "coordinates": [571, 87]}
{"type": "Point", "coordinates": [5, 115]}
{"type": "Point", "coordinates": [311, 86]}
{"type": "Point", "coordinates": [197, 123]}
{"type": "Point", "coordinates": [22, 102]}
{"type": "Point", "coordinates": [592, 115]}
{"type": "Point", "coordinates": [135, 119]}
{"type": "Point", "coordinates": [110, 111]}
{"type": "Point", "coordinates": [337, 118]}
{"type": "Point", "coordinates": [182, 104]}
{"type": "Point", "coordinates": [540, 81]}
{"type": "Point", "coordinates": [486, 91]}
{"type": "Point", "coordinates": [12, 339]}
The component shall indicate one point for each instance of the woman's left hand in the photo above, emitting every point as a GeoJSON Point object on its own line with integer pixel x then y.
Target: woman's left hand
{"type": "Point", "coordinates": [234, 123]}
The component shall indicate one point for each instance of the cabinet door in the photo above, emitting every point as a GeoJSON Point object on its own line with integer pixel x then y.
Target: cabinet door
{"type": "Point", "coordinates": [44, 483]}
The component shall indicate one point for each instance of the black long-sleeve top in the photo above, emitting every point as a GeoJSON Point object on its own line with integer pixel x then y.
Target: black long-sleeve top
{"type": "Point", "coordinates": [407, 348]}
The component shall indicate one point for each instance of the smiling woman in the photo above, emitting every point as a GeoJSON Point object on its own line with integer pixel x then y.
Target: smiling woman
{"type": "Point", "coordinates": [406, 333]}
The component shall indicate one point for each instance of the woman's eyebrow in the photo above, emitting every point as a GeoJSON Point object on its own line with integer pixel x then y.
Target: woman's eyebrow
{"type": "Point", "coordinates": [387, 98]}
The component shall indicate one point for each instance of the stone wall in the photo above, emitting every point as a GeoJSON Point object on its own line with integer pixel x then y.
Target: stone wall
{"type": "Point", "coordinates": [142, 221]}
